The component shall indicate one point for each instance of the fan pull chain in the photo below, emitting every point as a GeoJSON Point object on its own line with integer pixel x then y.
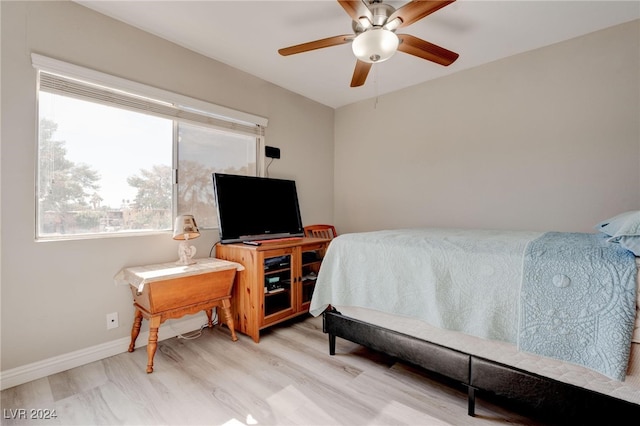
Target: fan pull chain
{"type": "Point", "coordinates": [375, 87]}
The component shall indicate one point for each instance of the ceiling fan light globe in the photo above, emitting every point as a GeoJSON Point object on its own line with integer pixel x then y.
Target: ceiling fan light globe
{"type": "Point", "coordinates": [375, 45]}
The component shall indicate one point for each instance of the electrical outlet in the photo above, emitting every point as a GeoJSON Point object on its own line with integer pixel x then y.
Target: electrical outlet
{"type": "Point", "coordinates": [112, 320]}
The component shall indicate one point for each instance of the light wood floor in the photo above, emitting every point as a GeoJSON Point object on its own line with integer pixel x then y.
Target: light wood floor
{"type": "Point", "coordinates": [287, 379]}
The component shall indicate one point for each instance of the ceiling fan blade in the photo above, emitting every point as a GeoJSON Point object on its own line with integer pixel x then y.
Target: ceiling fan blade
{"type": "Point", "coordinates": [425, 50]}
{"type": "Point", "coordinates": [317, 44]}
{"type": "Point", "coordinates": [356, 9]}
{"type": "Point", "coordinates": [360, 73]}
{"type": "Point", "coordinates": [414, 11]}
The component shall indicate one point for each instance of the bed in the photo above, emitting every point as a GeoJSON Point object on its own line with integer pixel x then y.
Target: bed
{"type": "Point", "coordinates": [550, 319]}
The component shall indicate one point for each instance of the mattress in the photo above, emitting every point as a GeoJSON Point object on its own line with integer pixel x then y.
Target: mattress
{"type": "Point", "coordinates": [576, 302]}
{"type": "Point", "coordinates": [508, 354]}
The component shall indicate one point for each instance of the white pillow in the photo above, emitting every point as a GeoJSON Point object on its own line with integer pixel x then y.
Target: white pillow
{"type": "Point", "coordinates": [624, 229]}
{"type": "Point", "coordinates": [613, 225]}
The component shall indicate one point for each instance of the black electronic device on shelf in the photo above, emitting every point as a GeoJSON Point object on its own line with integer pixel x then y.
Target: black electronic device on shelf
{"type": "Point", "coordinates": [310, 256]}
{"type": "Point", "coordinates": [276, 283]}
{"type": "Point", "coordinates": [255, 208]}
{"type": "Point", "coordinates": [279, 262]}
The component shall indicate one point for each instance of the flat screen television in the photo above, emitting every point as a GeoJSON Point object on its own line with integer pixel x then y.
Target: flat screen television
{"type": "Point", "coordinates": [255, 208]}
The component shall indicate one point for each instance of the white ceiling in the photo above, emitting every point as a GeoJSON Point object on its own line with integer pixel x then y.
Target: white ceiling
{"type": "Point", "coordinates": [247, 34]}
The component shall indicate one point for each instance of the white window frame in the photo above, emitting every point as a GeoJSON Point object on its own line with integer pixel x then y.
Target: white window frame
{"type": "Point", "coordinates": [152, 100]}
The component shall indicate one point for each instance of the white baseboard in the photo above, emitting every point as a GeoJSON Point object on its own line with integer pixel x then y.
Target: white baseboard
{"type": "Point", "coordinates": [37, 370]}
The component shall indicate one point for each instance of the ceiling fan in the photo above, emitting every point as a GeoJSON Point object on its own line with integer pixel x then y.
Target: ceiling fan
{"type": "Point", "coordinates": [375, 39]}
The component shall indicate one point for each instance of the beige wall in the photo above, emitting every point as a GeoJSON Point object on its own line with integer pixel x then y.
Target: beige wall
{"type": "Point", "coordinates": [546, 140]}
{"type": "Point", "coordinates": [55, 295]}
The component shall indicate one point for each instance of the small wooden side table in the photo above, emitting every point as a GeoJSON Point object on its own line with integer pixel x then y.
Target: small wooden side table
{"type": "Point", "coordinates": [167, 291]}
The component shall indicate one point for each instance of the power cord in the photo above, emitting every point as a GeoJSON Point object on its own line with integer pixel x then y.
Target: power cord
{"type": "Point", "coordinates": [193, 334]}
{"type": "Point", "coordinates": [267, 168]}
{"type": "Point", "coordinates": [197, 333]}
{"type": "Point", "coordinates": [212, 247]}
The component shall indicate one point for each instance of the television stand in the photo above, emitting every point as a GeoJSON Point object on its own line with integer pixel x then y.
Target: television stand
{"type": "Point", "coordinates": [277, 283]}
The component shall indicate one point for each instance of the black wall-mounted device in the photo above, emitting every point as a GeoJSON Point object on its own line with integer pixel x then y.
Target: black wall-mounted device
{"type": "Point", "coordinates": [272, 152]}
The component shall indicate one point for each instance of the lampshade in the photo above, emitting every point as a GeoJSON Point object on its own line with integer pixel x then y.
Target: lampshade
{"type": "Point", "coordinates": [185, 228]}
{"type": "Point", "coordinates": [375, 45]}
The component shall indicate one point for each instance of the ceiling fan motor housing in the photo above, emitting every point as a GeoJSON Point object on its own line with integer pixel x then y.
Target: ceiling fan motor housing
{"type": "Point", "coordinates": [380, 14]}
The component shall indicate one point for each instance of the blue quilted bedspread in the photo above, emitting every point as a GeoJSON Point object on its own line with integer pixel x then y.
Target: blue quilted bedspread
{"type": "Point", "coordinates": [577, 301]}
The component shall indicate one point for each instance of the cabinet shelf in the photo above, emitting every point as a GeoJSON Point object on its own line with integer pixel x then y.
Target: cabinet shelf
{"type": "Point", "coordinates": [276, 271]}
{"type": "Point", "coordinates": [275, 292]}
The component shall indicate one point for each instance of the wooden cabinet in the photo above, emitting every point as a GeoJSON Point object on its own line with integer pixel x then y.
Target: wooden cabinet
{"type": "Point", "coordinates": [166, 291]}
{"type": "Point", "coordinates": [277, 283]}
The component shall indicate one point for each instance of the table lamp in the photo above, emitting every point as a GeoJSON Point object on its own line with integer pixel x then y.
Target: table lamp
{"type": "Point", "coordinates": [185, 229]}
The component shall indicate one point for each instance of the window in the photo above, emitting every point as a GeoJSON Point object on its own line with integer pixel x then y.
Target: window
{"type": "Point", "coordinates": [201, 151]}
{"type": "Point", "coordinates": [101, 168]}
{"type": "Point", "coordinates": [118, 157]}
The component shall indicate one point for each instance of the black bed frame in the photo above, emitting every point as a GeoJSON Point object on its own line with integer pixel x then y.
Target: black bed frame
{"type": "Point", "coordinates": [540, 395]}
